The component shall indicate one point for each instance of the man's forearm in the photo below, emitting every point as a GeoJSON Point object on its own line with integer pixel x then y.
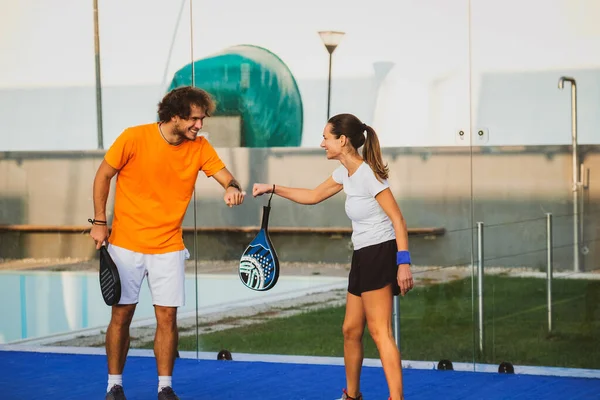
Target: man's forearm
{"type": "Point", "coordinates": [100, 193]}
{"type": "Point", "coordinates": [234, 183]}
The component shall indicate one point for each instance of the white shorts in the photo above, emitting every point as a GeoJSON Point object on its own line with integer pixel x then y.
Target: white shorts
{"type": "Point", "coordinates": [165, 272]}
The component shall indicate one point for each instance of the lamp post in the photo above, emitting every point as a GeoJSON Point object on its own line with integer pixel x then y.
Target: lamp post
{"type": "Point", "coordinates": [98, 79]}
{"type": "Point", "coordinates": [331, 39]}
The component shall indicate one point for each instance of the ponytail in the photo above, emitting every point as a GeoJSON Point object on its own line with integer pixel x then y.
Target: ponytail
{"type": "Point", "coordinates": [372, 155]}
{"type": "Point", "coordinates": [351, 127]}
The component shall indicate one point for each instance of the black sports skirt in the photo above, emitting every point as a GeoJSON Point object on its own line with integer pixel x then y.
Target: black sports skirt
{"type": "Point", "coordinates": [374, 267]}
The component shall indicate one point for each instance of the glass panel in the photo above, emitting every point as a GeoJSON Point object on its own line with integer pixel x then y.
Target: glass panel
{"type": "Point", "coordinates": [407, 77]}
{"type": "Point", "coordinates": [52, 146]}
{"type": "Point", "coordinates": [524, 169]}
{"type": "Point", "coordinates": [47, 129]}
{"type": "Point", "coordinates": [143, 45]}
{"type": "Point", "coordinates": [48, 274]}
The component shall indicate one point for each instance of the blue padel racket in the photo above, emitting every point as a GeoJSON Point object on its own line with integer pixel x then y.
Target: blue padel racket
{"type": "Point", "coordinates": [110, 283]}
{"type": "Point", "coordinates": [259, 265]}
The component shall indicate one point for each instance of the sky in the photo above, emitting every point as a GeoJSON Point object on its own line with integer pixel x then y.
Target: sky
{"type": "Point", "coordinates": [448, 58]}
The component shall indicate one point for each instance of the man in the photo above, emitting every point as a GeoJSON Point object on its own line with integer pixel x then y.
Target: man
{"type": "Point", "coordinates": [158, 165]}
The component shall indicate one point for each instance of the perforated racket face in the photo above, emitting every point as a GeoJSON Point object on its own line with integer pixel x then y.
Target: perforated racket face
{"type": "Point", "coordinates": [259, 267]}
{"type": "Point", "coordinates": [110, 284]}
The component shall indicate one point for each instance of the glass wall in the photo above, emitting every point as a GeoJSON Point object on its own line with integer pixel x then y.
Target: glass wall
{"type": "Point", "coordinates": [409, 79]}
{"type": "Point", "coordinates": [475, 108]}
{"type": "Point", "coordinates": [59, 115]}
{"type": "Point", "coordinates": [143, 45]}
{"type": "Point", "coordinates": [529, 68]}
{"type": "Point", "coordinates": [47, 101]}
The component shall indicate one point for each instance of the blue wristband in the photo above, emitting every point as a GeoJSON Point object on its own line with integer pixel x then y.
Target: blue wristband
{"type": "Point", "coordinates": [402, 257]}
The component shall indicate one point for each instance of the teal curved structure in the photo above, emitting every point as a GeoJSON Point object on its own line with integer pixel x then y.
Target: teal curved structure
{"type": "Point", "coordinates": [253, 83]}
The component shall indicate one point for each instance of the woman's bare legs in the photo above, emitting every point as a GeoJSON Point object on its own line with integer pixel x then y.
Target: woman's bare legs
{"type": "Point", "coordinates": [378, 311]}
{"type": "Point", "coordinates": [353, 329]}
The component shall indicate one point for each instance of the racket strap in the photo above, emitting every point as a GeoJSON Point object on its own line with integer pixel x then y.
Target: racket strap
{"type": "Point", "coordinates": [272, 192]}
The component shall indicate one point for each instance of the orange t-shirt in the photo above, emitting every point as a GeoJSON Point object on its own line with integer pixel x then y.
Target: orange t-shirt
{"type": "Point", "coordinates": [154, 186]}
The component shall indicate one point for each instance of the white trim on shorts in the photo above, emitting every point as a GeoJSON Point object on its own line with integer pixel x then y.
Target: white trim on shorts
{"type": "Point", "coordinates": [165, 272]}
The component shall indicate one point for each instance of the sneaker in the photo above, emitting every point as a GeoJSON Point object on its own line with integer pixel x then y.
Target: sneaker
{"type": "Point", "coordinates": [116, 393]}
{"type": "Point", "coordinates": [167, 393]}
{"type": "Point", "coordinates": [345, 396]}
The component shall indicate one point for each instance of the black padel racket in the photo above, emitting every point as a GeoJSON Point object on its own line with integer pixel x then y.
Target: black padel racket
{"type": "Point", "coordinates": [259, 265]}
{"type": "Point", "coordinates": [110, 283]}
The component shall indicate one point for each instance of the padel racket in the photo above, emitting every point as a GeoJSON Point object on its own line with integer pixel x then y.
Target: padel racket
{"type": "Point", "coordinates": [110, 283]}
{"type": "Point", "coordinates": [259, 265]}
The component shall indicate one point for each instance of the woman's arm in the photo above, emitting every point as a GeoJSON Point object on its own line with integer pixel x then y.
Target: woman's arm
{"type": "Point", "coordinates": [298, 195]}
{"type": "Point", "coordinates": [386, 200]}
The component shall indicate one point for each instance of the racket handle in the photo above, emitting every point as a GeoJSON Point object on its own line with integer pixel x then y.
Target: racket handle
{"type": "Point", "coordinates": [265, 218]}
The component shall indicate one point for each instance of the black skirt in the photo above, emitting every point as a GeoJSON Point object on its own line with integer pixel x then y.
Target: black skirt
{"type": "Point", "coordinates": [374, 267]}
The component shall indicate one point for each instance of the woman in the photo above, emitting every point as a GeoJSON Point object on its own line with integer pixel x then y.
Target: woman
{"type": "Point", "coordinates": [380, 261]}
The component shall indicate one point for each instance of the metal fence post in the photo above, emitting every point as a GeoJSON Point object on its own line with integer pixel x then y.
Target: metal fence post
{"type": "Point", "coordinates": [480, 255]}
{"type": "Point", "coordinates": [396, 320]}
{"type": "Point", "coordinates": [549, 267]}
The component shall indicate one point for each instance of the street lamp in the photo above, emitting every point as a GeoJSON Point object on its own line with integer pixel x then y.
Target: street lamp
{"type": "Point", "coordinates": [330, 39]}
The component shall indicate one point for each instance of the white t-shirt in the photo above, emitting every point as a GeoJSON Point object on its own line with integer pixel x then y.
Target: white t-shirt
{"type": "Point", "coordinates": [370, 224]}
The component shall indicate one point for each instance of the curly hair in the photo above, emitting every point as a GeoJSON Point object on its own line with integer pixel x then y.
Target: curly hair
{"type": "Point", "coordinates": [178, 103]}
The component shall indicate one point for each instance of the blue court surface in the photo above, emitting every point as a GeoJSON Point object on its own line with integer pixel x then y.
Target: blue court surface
{"type": "Point", "coordinates": [30, 374]}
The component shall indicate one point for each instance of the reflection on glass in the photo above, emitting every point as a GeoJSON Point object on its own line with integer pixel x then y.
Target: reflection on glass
{"type": "Point", "coordinates": [538, 140]}
{"type": "Point", "coordinates": [270, 77]}
{"type": "Point", "coordinates": [268, 72]}
{"type": "Point", "coordinates": [63, 304]}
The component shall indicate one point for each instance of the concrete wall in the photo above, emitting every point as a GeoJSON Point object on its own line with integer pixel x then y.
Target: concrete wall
{"type": "Point", "coordinates": [509, 189]}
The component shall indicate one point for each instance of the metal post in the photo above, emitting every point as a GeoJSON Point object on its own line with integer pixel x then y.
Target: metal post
{"type": "Point", "coordinates": [575, 169]}
{"type": "Point", "coordinates": [549, 266]}
{"type": "Point", "coordinates": [329, 86]}
{"type": "Point", "coordinates": [193, 81]}
{"type": "Point", "coordinates": [98, 78]}
{"type": "Point", "coordinates": [576, 221]}
{"type": "Point", "coordinates": [396, 320]}
{"type": "Point", "coordinates": [583, 186]}
{"type": "Point", "coordinates": [480, 283]}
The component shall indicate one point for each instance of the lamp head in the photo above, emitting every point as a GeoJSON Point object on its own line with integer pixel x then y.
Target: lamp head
{"type": "Point", "coordinates": [331, 39]}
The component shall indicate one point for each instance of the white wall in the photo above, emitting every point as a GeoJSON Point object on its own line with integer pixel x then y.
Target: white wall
{"type": "Point", "coordinates": [493, 65]}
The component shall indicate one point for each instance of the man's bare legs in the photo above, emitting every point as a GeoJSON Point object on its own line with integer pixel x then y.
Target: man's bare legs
{"type": "Point", "coordinates": [117, 337]}
{"type": "Point", "coordinates": [165, 339]}
{"type": "Point", "coordinates": [378, 310]}
{"type": "Point", "coordinates": [353, 329]}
